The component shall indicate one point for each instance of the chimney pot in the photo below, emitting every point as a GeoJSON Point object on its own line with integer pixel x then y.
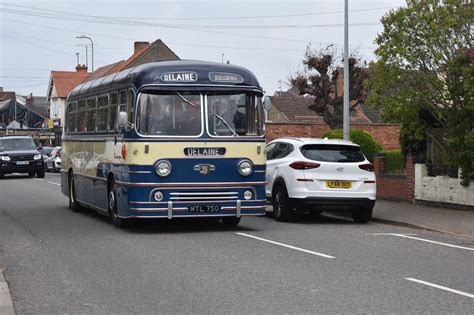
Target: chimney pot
{"type": "Point", "coordinates": [81, 68]}
{"type": "Point", "coordinates": [137, 46]}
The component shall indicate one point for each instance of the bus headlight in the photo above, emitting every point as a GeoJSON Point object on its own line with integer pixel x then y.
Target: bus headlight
{"type": "Point", "coordinates": [248, 195]}
{"type": "Point", "coordinates": [37, 157]}
{"type": "Point", "coordinates": [163, 168]}
{"type": "Point", "coordinates": [245, 168]}
{"type": "Point", "coordinates": [158, 195]}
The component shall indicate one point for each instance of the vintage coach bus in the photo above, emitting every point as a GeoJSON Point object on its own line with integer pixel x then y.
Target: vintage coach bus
{"type": "Point", "coordinates": [166, 140]}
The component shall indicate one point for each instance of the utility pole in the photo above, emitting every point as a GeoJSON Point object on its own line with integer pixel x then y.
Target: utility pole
{"type": "Point", "coordinates": [77, 57]}
{"type": "Point", "coordinates": [222, 58]}
{"type": "Point", "coordinates": [92, 46]}
{"type": "Point", "coordinates": [345, 117]}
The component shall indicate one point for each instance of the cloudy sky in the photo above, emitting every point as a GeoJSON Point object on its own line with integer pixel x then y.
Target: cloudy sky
{"type": "Point", "coordinates": [267, 37]}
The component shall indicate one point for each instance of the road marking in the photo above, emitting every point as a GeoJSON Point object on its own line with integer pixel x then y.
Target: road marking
{"type": "Point", "coordinates": [383, 234]}
{"type": "Point", "coordinates": [55, 183]}
{"type": "Point", "coordinates": [40, 180]}
{"type": "Point", "coordinates": [287, 246]}
{"type": "Point", "coordinates": [441, 287]}
{"type": "Point", "coordinates": [430, 241]}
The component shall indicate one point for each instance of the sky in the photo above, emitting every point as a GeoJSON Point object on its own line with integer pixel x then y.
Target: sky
{"type": "Point", "coordinates": [267, 37]}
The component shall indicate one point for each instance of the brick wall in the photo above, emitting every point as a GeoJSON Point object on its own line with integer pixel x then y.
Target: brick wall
{"type": "Point", "coordinates": [385, 134]}
{"type": "Point", "coordinates": [395, 187]}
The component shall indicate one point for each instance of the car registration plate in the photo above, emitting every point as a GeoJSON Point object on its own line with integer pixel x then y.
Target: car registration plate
{"type": "Point", "coordinates": [204, 208]}
{"type": "Point", "coordinates": [338, 184]}
{"type": "Point", "coordinates": [22, 162]}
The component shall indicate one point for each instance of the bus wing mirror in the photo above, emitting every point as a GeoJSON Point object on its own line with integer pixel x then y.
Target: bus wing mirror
{"type": "Point", "coordinates": [122, 121]}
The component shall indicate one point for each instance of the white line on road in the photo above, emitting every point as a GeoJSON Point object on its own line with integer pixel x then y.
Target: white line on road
{"type": "Point", "coordinates": [441, 287]}
{"type": "Point", "coordinates": [40, 180]}
{"type": "Point", "coordinates": [430, 241]}
{"type": "Point", "coordinates": [55, 183]}
{"type": "Point", "coordinates": [285, 245]}
{"type": "Point", "coordinates": [383, 234]}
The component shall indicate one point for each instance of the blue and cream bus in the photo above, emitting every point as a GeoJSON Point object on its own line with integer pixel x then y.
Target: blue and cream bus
{"type": "Point", "coordinates": [166, 140]}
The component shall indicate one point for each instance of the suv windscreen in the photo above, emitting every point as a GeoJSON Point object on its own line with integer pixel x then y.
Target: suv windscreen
{"type": "Point", "coordinates": [16, 144]}
{"type": "Point", "coordinates": [332, 153]}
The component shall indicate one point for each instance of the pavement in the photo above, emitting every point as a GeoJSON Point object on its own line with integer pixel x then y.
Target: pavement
{"type": "Point", "coordinates": [6, 304]}
{"type": "Point", "coordinates": [440, 219]}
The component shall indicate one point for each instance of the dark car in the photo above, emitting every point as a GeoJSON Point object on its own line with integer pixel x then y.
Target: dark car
{"type": "Point", "coordinates": [18, 154]}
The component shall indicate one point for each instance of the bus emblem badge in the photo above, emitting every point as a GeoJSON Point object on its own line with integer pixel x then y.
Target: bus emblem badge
{"type": "Point", "coordinates": [204, 169]}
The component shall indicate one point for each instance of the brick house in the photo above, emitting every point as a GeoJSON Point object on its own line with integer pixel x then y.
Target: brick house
{"type": "Point", "coordinates": [289, 115]}
{"type": "Point", "coordinates": [61, 83]}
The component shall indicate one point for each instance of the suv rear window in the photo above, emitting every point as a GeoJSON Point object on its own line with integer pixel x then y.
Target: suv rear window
{"type": "Point", "coordinates": [332, 153]}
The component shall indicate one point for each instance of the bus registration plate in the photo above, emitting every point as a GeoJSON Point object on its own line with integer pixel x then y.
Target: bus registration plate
{"type": "Point", "coordinates": [204, 208]}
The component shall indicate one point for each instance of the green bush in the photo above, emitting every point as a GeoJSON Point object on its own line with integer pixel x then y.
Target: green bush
{"type": "Point", "coordinates": [367, 144]}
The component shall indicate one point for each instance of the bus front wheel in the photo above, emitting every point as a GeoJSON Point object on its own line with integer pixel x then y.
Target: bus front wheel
{"type": "Point", "coordinates": [117, 221]}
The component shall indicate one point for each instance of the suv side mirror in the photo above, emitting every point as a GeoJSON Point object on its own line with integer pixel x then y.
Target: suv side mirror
{"type": "Point", "coordinates": [122, 121]}
{"type": "Point", "coordinates": [40, 147]}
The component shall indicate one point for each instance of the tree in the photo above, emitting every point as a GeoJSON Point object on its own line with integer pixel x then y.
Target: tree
{"type": "Point", "coordinates": [321, 73]}
{"type": "Point", "coordinates": [424, 75]}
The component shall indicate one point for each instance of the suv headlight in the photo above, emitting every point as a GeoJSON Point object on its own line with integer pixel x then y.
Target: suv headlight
{"type": "Point", "coordinates": [163, 168]}
{"type": "Point", "coordinates": [37, 157]}
{"type": "Point", "coordinates": [5, 158]}
{"type": "Point", "coordinates": [245, 168]}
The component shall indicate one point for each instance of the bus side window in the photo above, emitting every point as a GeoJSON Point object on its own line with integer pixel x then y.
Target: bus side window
{"type": "Point", "coordinates": [122, 101]}
{"type": "Point", "coordinates": [102, 110]}
{"type": "Point", "coordinates": [81, 116]}
{"type": "Point", "coordinates": [71, 117]}
{"type": "Point", "coordinates": [113, 111]}
{"type": "Point", "coordinates": [91, 114]}
{"type": "Point", "coordinates": [130, 105]}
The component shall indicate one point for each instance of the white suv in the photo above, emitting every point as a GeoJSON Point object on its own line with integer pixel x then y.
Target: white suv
{"type": "Point", "coordinates": [310, 175]}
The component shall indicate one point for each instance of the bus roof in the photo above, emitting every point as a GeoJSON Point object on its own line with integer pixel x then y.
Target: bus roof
{"type": "Point", "coordinates": [188, 74]}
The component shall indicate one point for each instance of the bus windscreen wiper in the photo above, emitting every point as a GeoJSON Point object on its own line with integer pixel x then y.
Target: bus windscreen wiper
{"type": "Point", "coordinates": [226, 124]}
{"type": "Point", "coordinates": [186, 100]}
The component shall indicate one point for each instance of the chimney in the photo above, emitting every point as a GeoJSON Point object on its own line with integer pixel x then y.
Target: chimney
{"type": "Point", "coordinates": [30, 101]}
{"type": "Point", "coordinates": [137, 46]}
{"type": "Point", "coordinates": [81, 68]}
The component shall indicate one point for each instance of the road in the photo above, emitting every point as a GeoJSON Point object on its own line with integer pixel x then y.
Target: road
{"type": "Point", "coordinates": [60, 262]}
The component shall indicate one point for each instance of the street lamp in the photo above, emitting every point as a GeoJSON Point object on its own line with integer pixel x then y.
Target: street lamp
{"type": "Point", "coordinates": [92, 45]}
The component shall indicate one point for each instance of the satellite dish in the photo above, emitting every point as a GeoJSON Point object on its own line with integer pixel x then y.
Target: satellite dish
{"type": "Point", "coordinates": [267, 103]}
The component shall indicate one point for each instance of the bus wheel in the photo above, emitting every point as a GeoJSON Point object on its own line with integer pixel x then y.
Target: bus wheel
{"type": "Point", "coordinates": [73, 205]}
{"type": "Point", "coordinates": [117, 221]}
{"type": "Point", "coordinates": [230, 221]}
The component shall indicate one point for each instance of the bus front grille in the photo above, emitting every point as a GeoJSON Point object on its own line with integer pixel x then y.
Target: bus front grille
{"type": "Point", "coordinates": [204, 195]}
